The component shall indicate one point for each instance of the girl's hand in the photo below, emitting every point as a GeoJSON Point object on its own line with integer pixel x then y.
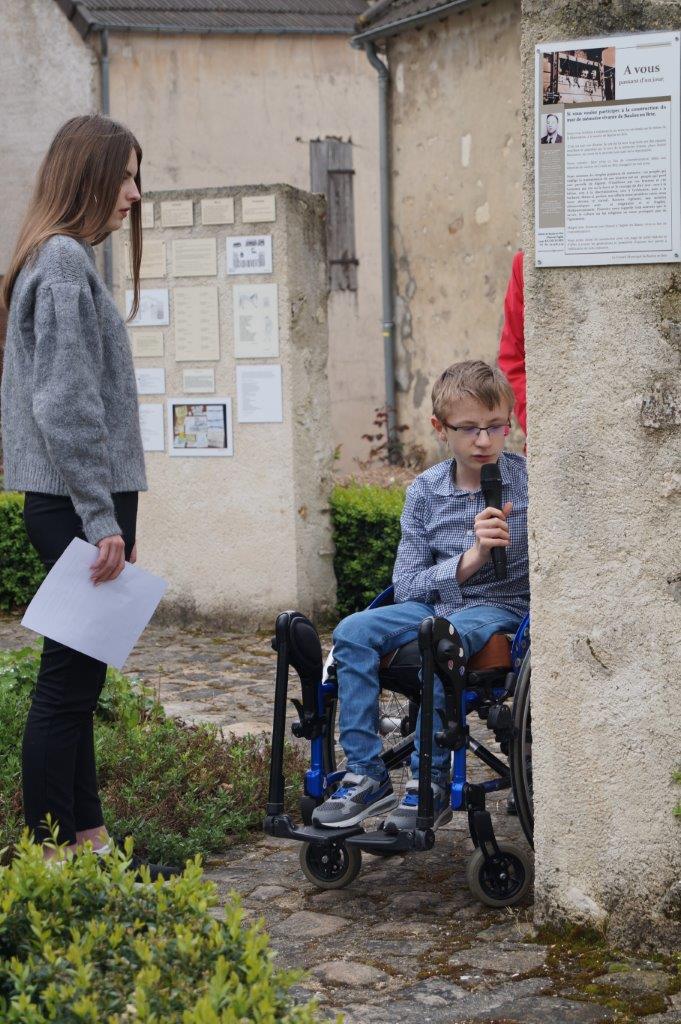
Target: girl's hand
{"type": "Point", "coordinates": [111, 561]}
{"type": "Point", "coordinates": [491, 531]}
{"type": "Point", "coordinates": [133, 554]}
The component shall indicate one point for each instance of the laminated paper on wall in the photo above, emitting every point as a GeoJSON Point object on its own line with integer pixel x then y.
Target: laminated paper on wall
{"type": "Point", "coordinates": [607, 151]}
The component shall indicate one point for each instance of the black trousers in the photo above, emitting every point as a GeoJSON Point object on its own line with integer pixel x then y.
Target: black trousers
{"type": "Point", "coordinates": [58, 752]}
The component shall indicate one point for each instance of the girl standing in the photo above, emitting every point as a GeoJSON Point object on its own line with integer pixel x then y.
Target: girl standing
{"type": "Point", "coordinates": [71, 436]}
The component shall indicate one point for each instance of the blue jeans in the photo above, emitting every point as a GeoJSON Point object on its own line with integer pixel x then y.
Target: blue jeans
{"type": "Point", "coordinates": [359, 642]}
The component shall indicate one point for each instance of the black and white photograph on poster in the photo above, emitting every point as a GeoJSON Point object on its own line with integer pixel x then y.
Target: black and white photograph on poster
{"type": "Point", "coordinates": [608, 193]}
{"type": "Point", "coordinates": [551, 129]}
{"type": "Point", "coordinates": [200, 428]}
{"type": "Point", "coordinates": [250, 254]}
{"type": "Point", "coordinates": [153, 308]}
{"type": "Point", "coordinates": [579, 76]}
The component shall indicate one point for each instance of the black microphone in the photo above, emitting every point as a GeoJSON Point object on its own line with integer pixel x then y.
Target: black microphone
{"type": "Point", "coordinates": [490, 481]}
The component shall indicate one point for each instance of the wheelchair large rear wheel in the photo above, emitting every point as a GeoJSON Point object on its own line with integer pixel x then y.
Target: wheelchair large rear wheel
{"type": "Point", "coordinates": [520, 751]}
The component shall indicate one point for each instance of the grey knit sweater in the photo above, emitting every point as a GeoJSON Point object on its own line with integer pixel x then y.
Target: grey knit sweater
{"type": "Point", "coordinates": [69, 400]}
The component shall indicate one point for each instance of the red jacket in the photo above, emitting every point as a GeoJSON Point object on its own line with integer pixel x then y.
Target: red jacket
{"type": "Point", "coordinates": [512, 341]}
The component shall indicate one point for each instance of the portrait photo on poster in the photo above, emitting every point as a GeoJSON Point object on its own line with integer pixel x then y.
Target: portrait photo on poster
{"type": "Point", "coordinates": [200, 428]}
{"type": "Point", "coordinates": [551, 129]}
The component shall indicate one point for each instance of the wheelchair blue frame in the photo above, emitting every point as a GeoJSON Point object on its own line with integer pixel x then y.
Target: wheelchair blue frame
{"type": "Point", "coordinates": [317, 784]}
{"type": "Point", "coordinates": [329, 856]}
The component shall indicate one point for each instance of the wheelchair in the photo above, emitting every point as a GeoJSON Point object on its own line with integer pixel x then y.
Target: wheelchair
{"type": "Point", "coordinates": [494, 684]}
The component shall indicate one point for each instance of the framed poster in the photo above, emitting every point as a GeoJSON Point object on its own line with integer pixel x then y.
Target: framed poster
{"type": "Point", "coordinates": [200, 428]}
{"type": "Point", "coordinates": [607, 151]}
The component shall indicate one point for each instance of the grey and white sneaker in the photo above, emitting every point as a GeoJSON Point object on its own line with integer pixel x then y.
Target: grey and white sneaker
{"type": "Point", "coordinates": [358, 797]}
{"type": "Point", "coordinates": [403, 818]}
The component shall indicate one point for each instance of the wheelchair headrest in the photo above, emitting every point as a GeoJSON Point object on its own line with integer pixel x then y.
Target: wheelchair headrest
{"type": "Point", "coordinates": [305, 649]}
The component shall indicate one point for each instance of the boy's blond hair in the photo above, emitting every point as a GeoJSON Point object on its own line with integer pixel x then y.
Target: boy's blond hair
{"type": "Point", "coordinates": [471, 378]}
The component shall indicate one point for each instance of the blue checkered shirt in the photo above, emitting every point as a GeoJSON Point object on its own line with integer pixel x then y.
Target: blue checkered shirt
{"type": "Point", "coordinates": [437, 528]}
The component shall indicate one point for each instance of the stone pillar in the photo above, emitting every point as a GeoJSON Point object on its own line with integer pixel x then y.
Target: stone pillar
{"type": "Point", "coordinates": [243, 537]}
{"type": "Point", "coordinates": [604, 402]}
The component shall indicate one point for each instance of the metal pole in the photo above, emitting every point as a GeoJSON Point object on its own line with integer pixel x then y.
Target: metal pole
{"type": "Point", "coordinates": [386, 255]}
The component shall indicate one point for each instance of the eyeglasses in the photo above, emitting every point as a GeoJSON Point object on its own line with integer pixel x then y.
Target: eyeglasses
{"type": "Point", "coordinates": [498, 430]}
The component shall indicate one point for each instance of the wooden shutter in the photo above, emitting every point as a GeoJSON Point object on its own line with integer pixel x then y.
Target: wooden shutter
{"type": "Point", "coordinates": [331, 172]}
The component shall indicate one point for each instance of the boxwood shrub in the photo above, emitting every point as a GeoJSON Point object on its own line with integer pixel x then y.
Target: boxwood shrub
{"type": "Point", "coordinates": [82, 941]}
{"type": "Point", "coordinates": [366, 523]}
{"type": "Point", "coordinates": [20, 570]}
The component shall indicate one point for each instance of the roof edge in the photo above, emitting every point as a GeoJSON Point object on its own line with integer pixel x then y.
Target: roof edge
{"type": "Point", "coordinates": [80, 17]}
{"type": "Point", "coordinates": [403, 24]}
{"type": "Point", "coordinates": [84, 23]}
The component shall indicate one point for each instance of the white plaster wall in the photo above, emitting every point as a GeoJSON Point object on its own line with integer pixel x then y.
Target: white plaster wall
{"type": "Point", "coordinates": [241, 538]}
{"type": "Point", "coordinates": [47, 75]}
{"type": "Point", "coordinates": [220, 110]}
{"type": "Point", "coordinates": [604, 408]}
{"type": "Point", "coordinates": [456, 129]}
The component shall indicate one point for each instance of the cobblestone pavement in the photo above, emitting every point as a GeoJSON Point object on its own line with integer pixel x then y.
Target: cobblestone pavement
{"type": "Point", "coordinates": [406, 943]}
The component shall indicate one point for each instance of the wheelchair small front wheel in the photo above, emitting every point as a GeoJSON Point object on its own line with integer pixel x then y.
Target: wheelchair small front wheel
{"type": "Point", "coordinates": [502, 882]}
{"type": "Point", "coordinates": [332, 866]}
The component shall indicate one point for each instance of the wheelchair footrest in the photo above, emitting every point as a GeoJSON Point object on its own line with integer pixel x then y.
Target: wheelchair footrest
{"type": "Point", "coordinates": [282, 827]}
{"type": "Point", "coordinates": [390, 842]}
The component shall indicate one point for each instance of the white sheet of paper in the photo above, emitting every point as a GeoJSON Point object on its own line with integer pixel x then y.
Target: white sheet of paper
{"type": "Point", "coordinates": [153, 309]}
{"type": "Point", "coordinates": [217, 211]}
{"type": "Point", "coordinates": [147, 215]}
{"type": "Point", "coordinates": [147, 344]}
{"type": "Point", "coordinates": [195, 257]}
{"type": "Point", "coordinates": [197, 324]}
{"type": "Point", "coordinates": [104, 622]}
{"type": "Point", "coordinates": [153, 259]}
{"type": "Point", "coordinates": [249, 254]}
{"type": "Point", "coordinates": [256, 321]}
{"type": "Point", "coordinates": [258, 389]}
{"type": "Point", "coordinates": [151, 427]}
{"type": "Point", "coordinates": [199, 381]}
{"type": "Point", "coordinates": [151, 380]}
{"type": "Point", "coordinates": [257, 209]}
{"type": "Point", "coordinates": [177, 213]}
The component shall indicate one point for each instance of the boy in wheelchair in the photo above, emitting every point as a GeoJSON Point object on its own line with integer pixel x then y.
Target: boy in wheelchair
{"type": "Point", "coordinates": [443, 568]}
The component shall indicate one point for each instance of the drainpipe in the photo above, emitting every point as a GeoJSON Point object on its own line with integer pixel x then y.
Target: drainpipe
{"type": "Point", "coordinates": [106, 106]}
{"type": "Point", "coordinates": [386, 256]}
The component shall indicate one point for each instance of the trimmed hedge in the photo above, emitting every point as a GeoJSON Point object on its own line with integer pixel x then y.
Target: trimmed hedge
{"type": "Point", "coordinates": [21, 572]}
{"type": "Point", "coordinates": [84, 942]}
{"type": "Point", "coordinates": [366, 522]}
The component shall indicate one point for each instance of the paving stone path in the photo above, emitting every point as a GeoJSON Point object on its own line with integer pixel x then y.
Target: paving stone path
{"type": "Point", "coordinates": [406, 943]}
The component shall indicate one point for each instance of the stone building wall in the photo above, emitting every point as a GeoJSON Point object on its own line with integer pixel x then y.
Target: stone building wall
{"type": "Point", "coordinates": [604, 406]}
{"type": "Point", "coordinates": [216, 110]}
{"type": "Point", "coordinates": [240, 538]}
{"type": "Point", "coordinates": [47, 75]}
{"type": "Point", "coordinates": [456, 131]}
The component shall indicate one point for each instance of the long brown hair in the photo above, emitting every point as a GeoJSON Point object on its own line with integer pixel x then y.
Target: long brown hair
{"type": "Point", "coordinates": [76, 192]}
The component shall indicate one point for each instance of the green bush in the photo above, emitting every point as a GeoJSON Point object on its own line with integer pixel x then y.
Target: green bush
{"type": "Point", "coordinates": [21, 572]}
{"type": "Point", "coordinates": [366, 523]}
{"type": "Point", "coordinates": [83, 942]}
{"type": "Point", "coordinates": [179, 790]}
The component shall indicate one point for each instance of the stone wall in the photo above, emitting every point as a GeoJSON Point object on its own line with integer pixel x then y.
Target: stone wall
{"type": "Point", "coordinates": [241, 538]}
{"type": "Point", "coordinates": [456, 129]}
{"type": "Point", "coordinates": [216, 110]}
{"type": "Point", "coordinates": [604, 411]}
{"type": "Point", "coordinates": [47, 75]}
